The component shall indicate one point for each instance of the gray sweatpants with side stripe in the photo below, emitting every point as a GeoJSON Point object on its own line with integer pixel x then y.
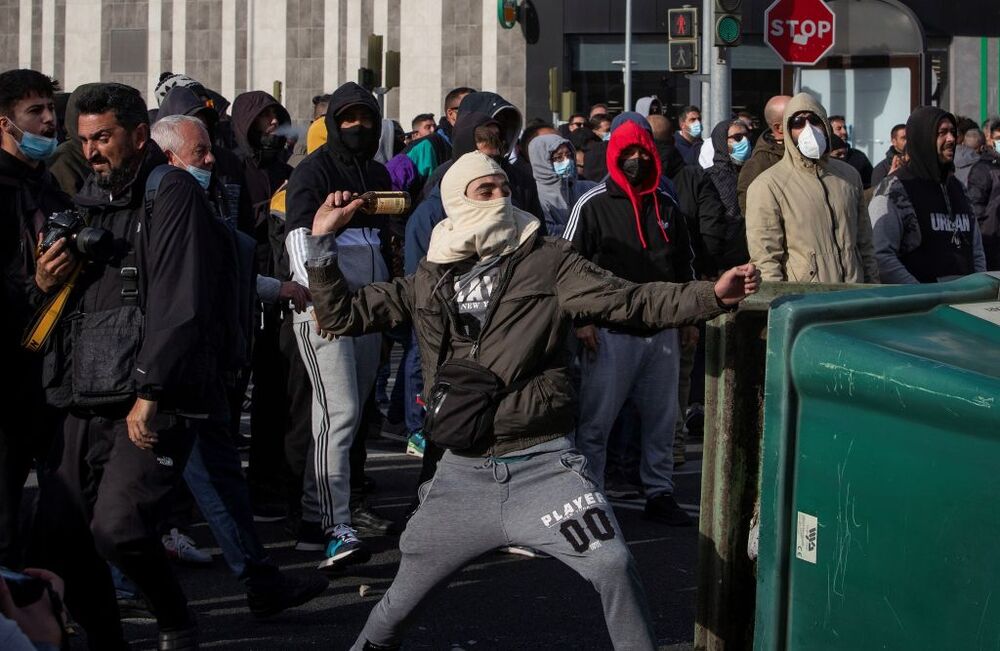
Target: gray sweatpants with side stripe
{"type": "Point", "coordinates": [542, 497]}
{"type": "Point", "coordinates": [342, 373]}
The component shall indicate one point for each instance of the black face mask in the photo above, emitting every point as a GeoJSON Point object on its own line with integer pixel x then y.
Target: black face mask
{"type": "Point", "coordinates": [359, 140]}
{"type": "Point", "coordinates": [637, 170]}
{"type": "Point", "coordinates": [270, 146]}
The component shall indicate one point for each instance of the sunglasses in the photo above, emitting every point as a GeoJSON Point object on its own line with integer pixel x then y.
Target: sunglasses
{"type": "Point", "coordinates": [799, 121]}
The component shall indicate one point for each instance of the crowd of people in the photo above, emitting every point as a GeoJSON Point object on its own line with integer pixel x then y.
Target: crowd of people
{"type": "Point", "coordinates": [170, 267]}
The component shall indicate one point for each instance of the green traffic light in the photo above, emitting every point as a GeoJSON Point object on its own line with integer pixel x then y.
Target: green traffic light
{"type": "Point", "coordinates": [728, 29]}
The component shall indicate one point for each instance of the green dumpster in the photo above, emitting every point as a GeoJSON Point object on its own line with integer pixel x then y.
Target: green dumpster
{"type": "Point", "coordinates": [880, 479]}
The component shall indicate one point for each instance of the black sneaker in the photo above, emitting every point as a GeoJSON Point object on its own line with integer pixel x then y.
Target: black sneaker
{"type": "Point", "coordinates": [133, 606]}
{"type": "Point", "coordinates": [178, 639]}
{"type": "Point", "coordinates": [311, 537]}
{"type": "Point", "coordinates": [664, 508]}
{"type": "Point", "coordinates": [368, 523]}
{"type": "Point", "coordinates": [286, 592]}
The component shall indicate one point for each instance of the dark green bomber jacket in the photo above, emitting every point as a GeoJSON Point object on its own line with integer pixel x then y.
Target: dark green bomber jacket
{"type": "Point", "coordinates": [543, 287]}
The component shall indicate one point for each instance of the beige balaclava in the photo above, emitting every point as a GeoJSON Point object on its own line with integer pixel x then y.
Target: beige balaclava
{"type": "Point", "coordinates": [476, 228]}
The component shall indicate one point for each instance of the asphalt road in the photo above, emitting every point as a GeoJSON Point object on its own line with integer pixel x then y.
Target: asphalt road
{"type": "Point", "coordinates": [499, 602]}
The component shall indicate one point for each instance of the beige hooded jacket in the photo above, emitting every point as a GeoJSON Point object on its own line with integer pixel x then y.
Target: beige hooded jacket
{"type": "Point", "coordinates": [806, 219]}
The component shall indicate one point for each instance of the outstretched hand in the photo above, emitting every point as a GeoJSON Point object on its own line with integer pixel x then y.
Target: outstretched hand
{"type": "Point", "coordinates": [335, 213]}
{"type": "Point", "coordinates": [737, 283]}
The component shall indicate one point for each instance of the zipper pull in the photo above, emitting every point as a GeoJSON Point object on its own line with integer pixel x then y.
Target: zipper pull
{"type": "Point", "coordinates": [475, 349]}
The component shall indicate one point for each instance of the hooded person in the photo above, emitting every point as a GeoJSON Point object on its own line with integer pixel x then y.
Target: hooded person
{"type": "Point", "coordinates": [725, 239]}
{"type": "Point", "coordinates": [431, 210]}
{"type": "Point", "coordinates": [647, 106]}
{"type": "Point", "coordinates": [494, 292]}
{"type": "Point", "coordinates": [595, 160]}
{"type": "Point", "coordinates": [806, 216]}
{"type": "Point", "coordinates": [632, 227]}
{"type": "Point", "coordinates": [67, 165]}
{"type": "Point", "coordinates": [553, 162]}
{"type": "Point", "coordinates": [342, 370]}
{"type": "Point", "coordinates": [522, 184]}
{"type": "Point", "coordinates": [256, 119]}
{"type": "Point", "coordinates": [924, 226]}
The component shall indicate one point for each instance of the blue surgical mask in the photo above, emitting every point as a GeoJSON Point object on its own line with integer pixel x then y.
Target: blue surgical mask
{"type": "Point", "coordinates": [203, 177]}
{"type": "Point", "coordinates": [695, 129]}
{"type": "Point", "coordinates": [741, 151]}
{"type": "Point", "coordinates": [34, 146]}
{"type": "Point", "coordinates": [996, 146]}
{"type": "Point", "coordinates": [606, 136]}
{"type": "Point", "coordinates": [565, 168]}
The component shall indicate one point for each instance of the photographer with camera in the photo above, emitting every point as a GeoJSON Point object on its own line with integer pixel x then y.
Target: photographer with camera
{"type": "Point", "coordinates": [28, 193]}
{"type": "Point", "coordinates": [134, 366]}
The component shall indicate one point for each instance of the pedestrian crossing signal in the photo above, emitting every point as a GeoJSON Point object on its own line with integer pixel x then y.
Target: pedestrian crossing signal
{"type": "Point", "coordinates": [683, 56]}
{"type": "Point", "coordinates": [683, 22]}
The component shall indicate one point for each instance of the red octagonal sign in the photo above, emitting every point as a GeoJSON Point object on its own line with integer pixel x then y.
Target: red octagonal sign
{"type": "Point", "coordinates": [799, 31]}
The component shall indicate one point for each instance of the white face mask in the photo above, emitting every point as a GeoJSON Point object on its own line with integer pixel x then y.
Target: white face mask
{"type": "Point", "coordinates": [812, 142]}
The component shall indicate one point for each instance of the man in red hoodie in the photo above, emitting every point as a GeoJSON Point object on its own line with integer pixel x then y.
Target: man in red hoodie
{"type": "Point", "coordinates": [630, 227]}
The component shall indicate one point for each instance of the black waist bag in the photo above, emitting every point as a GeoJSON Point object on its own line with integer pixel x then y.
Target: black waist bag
{"type": "Point", "coordinates": [462, 404]}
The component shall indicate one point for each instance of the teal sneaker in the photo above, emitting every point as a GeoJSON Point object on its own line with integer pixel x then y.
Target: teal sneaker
{"type": "Point", "coordinates": [344, 548]}
{"type": "Point", "coordinates": [416, 444]}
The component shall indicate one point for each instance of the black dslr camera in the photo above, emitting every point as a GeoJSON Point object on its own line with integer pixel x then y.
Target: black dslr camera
{"type": "Point", "coordinates": [89, 241]}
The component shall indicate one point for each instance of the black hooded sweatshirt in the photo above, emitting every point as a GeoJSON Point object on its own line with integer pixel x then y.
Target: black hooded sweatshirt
{"type": "Point", "coordinates": [942, 209]}
{"type": "Point", "coordinates": [463, 142]}
{"type": "Point", "coordinates": [177, 270]}
{"type": "Point", "coordinates": [228, 189]}
{"type": "Point", "coordinates": [725, 239]}
{"type": "Point", "coordinates": [524, 192]}
{"type": "Point", "coordinates": [263, 177]}
{"type": "Point", "coordinates": [333, 167]}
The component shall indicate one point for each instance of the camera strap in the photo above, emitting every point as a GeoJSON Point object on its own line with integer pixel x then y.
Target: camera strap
{"type": "Point", "coordinates": [49, 316]}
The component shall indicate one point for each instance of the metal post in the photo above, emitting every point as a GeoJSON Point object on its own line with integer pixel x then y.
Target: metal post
{"type": "Point", "coordinates": [380, 94]}
{"type": "Point", "coordinates": [721, 87]}
{"type": "Point", "coordinates": [707, 27]}
{"type": "Point", "coordinates": [628, 55]}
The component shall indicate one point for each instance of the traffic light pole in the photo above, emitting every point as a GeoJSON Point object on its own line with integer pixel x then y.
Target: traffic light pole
{"type": "Point", "coordinates": [722, 98]}
{"type": "Point", "coordinates": [706, 59]}
{"type": "Point", "coordinates": [628, 55]}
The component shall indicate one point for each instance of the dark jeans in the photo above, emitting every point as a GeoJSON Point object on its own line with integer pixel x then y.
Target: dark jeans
{"type": "Point", "coordinates": [101, 499]}
{"type": "Point", "coordinates": [215, 479]}
{"type": "Point", "coordinates": [413, 382]}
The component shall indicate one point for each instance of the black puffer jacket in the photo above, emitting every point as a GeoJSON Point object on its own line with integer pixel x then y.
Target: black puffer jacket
{"type": "Point", "coordinates": [984, 194]}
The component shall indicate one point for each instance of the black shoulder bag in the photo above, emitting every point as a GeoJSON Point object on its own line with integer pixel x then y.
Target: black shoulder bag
{"type": "Point", "coordinates": [463, 401]}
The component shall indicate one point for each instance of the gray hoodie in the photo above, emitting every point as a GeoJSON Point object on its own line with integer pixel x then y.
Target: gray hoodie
{"type": "Point", "coordinates": [965, 158]}
{"type": "Point", "coordinates": [556, 194]}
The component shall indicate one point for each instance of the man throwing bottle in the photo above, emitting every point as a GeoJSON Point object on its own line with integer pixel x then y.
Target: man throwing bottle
{"type": "Point", "coordinates": [494, 293]}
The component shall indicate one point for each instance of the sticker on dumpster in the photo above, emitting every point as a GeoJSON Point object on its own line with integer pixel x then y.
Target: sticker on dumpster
{"type": "Point", "coordinates": [986, 311]}
{"type": "Point", "coordinates": [805, 537]}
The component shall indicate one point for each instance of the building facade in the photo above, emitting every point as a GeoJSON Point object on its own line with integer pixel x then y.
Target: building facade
{"type": "Point", "coordinates": [309, 46]}
{"type": "Point", "coordinates": [312, 46]}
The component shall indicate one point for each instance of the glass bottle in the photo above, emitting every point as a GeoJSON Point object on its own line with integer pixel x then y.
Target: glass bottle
{"type": "Point", "coordinates": [384, 202]}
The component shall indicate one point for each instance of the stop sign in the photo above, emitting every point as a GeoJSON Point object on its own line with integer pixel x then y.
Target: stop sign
{"type": "Point", "coordinates": [799, 31]}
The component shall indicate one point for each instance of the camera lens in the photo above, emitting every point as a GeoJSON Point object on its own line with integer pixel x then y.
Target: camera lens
{"type": "Point", "coordinates": [95, 243]}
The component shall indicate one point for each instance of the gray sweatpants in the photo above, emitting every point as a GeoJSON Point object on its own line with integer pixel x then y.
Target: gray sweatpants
{"type": "Point", "coordinates": [542, 497]}
{"type": "Point", "coordinates": [342, 373]}
{"type": "Point", "coordinates": [644, 369]}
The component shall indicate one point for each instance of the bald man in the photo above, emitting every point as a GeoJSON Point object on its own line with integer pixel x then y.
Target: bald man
{"type": "Point", "coordinates": [769, 150]}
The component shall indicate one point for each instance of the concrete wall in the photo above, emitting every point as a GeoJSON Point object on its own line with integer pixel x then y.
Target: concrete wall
{"type": "Point", "coordinates": [311, 46]}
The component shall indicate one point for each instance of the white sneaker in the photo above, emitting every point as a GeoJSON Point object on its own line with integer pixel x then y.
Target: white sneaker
{"type": "Point", "coordinates": [181, 548]}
